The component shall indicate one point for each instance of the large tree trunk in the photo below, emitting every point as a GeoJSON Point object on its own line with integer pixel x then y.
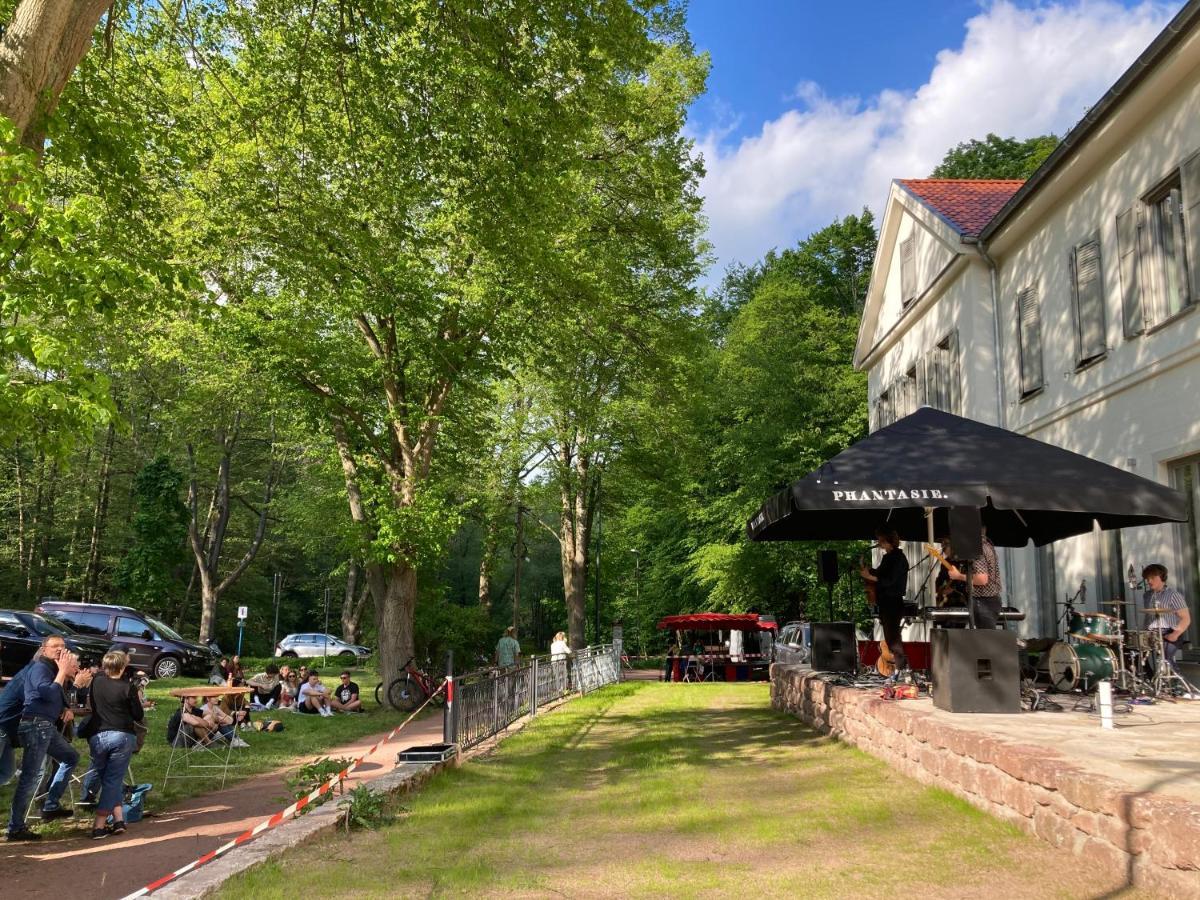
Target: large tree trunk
{"type": "Point", "coordinates": [354, 601]}
{"type": "Point", "coordinates": [487, 562]}
{"type": "Point", "coordinates": [41, 47]}
{"type": "Point", "coordinates": [394, 589]}
{"type": "Point", "coordinates": [575, 528]}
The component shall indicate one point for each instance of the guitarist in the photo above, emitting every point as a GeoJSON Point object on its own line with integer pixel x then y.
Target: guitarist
{"type": "Point", "coordinates": [891, 579]}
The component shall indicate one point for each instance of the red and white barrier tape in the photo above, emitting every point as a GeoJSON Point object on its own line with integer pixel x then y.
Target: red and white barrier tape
{"type": "Point", "coordinates": [282, 815]}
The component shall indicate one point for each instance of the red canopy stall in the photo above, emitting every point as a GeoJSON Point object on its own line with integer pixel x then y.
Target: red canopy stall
{"type": "Point", "coordinates": [709, 660]}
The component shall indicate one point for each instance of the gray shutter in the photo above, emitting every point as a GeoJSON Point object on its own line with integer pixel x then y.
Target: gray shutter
{"type": "Point", "coordinates": [1189, 182]}
{"type": "Point", "coordinates": [1128, 240]}
{"type": "Point", "coordinates": [1031, 340]}
{"type": "Point", "coordinates": [1087, 283]}
{"type": "Point", "coordinates": [954, 373]}
{"type": "Point", "coordinates": [908, 271]}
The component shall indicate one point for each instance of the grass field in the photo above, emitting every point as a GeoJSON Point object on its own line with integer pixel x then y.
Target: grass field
{"type": "Point", "coordinates": [304, 738]}
{"type": "Point", "coordinates": [648, 789]}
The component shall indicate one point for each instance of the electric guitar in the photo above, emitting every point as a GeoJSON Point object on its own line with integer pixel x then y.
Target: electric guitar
{"type": "Point", "coordinates": [886, 664]}
{"type": "Point", "coordinates": [947, 595]}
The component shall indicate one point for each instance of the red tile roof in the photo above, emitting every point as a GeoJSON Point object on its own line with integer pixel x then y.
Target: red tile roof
{"type": "Point", "coordinates": [967, 204]}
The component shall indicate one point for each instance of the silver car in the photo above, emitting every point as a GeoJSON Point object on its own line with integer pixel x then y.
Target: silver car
{"type": "Point", "coordinates": [309, 645]}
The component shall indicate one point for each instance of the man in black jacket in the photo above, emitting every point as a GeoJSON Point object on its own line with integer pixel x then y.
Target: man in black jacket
{"type": "Point", "coordinates": [891, 581]}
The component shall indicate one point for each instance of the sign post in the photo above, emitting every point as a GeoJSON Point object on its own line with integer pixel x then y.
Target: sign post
{"type": "Point", "coordinates": [243, 612]}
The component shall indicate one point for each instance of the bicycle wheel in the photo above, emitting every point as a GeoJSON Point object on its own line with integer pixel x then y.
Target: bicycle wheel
{"type": "Point", "coordinates": [405, 693]}
{"type": "Point", "coordinates": [379, 693]}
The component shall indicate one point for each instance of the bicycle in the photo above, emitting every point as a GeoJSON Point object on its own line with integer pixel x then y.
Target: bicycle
{"type": "Point", "coordinates": [409, 690]}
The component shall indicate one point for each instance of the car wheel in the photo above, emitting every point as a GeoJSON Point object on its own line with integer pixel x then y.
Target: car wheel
{"type": "Point", "coordinates": [289, 654]}
{"type": "Point", "coordinates": [166, 667]}
{"type": "Point", "coordinates": [349, 654]}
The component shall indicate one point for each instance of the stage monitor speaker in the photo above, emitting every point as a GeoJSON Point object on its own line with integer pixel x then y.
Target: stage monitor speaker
{"type": "Point", "coordinates": [966, 532]}
{"type": "Point", "coordinates": [975, 671]}
{"type": "Point", "coordinates": [827, 565]}
{"type": "Point", "coordinates": [834, 647]}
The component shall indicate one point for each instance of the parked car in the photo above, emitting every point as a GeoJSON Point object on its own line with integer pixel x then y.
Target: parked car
{"type": "Point", "coordinates": [791, 646]}
{"type": "Point", "coordinates": [319, 645]}
{"type": "Point", "coordinates": [152, 645]}
{"type": "Point", "coordinates": [22, 633]}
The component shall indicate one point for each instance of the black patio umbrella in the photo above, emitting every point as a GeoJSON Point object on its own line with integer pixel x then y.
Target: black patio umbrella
{"type": "Point", "coordinates": [1026, 490]}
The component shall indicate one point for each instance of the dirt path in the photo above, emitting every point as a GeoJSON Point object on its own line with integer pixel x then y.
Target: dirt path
{"type": "Point", "coordinates": [163, 842]}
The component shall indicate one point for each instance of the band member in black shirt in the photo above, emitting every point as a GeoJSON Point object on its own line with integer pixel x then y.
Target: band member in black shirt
{"type": "Point", "coordinates": [891, 580]}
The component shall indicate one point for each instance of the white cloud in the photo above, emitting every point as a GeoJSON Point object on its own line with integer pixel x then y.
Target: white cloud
{"type": "Point", "coordinates": [1019, 71]}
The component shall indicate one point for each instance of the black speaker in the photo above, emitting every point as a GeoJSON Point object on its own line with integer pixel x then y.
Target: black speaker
{"type": "Point", "coordinates": [834, 647]}
{"type": "Point", "coordinates": [966, 532]}
{"type": "Point", "coordinates": [827, 565]}
{"type": "Point", "coordinates": [975, 671]}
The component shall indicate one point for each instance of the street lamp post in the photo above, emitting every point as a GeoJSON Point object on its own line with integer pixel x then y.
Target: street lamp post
{"type": "Point", "coordinates": [637, 595]}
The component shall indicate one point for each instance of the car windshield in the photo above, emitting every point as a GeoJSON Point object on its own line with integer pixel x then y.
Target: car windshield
{"type": "Point", "coordinates": [46, 626]}
{"type": "Point", "coordinates": [165, 630]}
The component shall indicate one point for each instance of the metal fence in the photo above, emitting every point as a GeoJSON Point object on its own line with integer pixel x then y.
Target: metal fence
{"type": "Point", "coordinates": [487, 702]}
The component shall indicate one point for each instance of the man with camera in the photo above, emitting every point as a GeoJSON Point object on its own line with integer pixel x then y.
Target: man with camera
{"type": "Point", "coordinates": [39, 735]}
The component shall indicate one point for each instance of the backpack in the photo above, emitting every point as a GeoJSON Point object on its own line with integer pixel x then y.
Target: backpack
{"type": "Point", "coordinates": [173, 724]}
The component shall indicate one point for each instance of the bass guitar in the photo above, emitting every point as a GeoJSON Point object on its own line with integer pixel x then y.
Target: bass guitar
{"type": "Point", "coordinates": [947, 593]}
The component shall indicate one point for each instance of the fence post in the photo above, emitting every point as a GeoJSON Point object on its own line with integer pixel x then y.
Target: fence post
{"type": "Point", "coordinates": [533, 677]}
{"type": "Point", "coordinates": [449, 725]}
{"type": "Point", "coordinates": [496, 704]}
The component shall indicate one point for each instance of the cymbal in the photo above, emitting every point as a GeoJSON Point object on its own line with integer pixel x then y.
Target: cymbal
{"type": "Point", "coordinates": [1117, 603]}
{"type": "Point", "coordinates": [1159, 609]}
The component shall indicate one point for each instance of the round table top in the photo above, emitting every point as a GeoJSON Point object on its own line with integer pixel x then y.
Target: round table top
{"type": "Point", "coordinates": [208, 690]}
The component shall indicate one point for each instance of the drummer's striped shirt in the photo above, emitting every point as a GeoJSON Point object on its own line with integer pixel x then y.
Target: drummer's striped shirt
{"type": "Point", "coordinates": [1167, 598]}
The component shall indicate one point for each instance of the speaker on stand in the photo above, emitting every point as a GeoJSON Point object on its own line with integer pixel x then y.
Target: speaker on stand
{"type": "Point", "coordinates": [834, 644]}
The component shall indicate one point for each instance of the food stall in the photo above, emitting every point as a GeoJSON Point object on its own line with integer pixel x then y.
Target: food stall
{"type": "Point", "coordinates": [718, 646]}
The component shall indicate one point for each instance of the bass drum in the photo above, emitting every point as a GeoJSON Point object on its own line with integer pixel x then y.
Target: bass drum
{"type": "Point", "coordinates": [1080, 666]}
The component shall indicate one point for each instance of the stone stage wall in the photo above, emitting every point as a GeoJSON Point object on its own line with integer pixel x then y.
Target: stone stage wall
{"type": "Point", "coordinates": [1151, 840]}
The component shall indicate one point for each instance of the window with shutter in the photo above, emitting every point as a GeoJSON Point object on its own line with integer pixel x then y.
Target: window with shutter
{"type": "Point", "coordinates": [1168, 251]}
{"type": "Point", "coordinates": [908, 271]}
{"type": "Point", "coordinates": [1088, 284]}
{"type": "Point", "coordinates": [1129, 253]}
{"type": "Point", "coordinates": [1030, 339]}
{"type": "Point", "coordinates": [942, 389]}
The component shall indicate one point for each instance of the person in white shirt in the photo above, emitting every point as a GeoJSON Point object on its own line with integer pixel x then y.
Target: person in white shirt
{"type": "Point", "coordinates": [313, 698]}
{"type": "Point", "coordinates": [560, 653]}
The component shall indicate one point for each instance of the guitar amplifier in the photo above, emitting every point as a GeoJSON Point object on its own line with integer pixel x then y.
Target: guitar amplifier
{"type": "Point", "coordinates": [834, 647]}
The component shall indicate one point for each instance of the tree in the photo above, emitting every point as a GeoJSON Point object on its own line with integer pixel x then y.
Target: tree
{"type": "Point", "coordinates": [150, 574]}
{"type": "Point", "coordinates": [996, 157]}
{"type": "Point", "coordinates": [386, 220]}
{"type": "Point", "coordinates": [42, 44]}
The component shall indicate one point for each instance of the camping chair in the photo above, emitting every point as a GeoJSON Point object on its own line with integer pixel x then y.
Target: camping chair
{"type": "Point", "coordinates": [690, 672]}
{"type": "Point", "coordinates": [194, 758]}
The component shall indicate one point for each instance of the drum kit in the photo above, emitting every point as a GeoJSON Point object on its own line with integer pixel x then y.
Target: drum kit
{"type": "Point", "coordinates": [1100, 648]}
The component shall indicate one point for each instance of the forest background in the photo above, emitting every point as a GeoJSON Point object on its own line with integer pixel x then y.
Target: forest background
{"type": "Point", "coordinates": [395, 306]}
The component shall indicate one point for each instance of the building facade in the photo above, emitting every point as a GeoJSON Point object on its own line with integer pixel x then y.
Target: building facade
{"type": "Point", "coordinates": [1064, 308]}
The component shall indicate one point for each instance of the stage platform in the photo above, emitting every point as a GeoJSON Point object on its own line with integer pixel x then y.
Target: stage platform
{"type": "Point", "coordinates": [1126, 801]}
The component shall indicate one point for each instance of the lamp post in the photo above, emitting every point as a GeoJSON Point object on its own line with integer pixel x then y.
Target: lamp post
{"type": "Point", "coordinates": [637, 594]}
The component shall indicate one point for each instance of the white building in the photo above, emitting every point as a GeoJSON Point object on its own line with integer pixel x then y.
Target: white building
{"type": "Point", "coordinates": [1083, 282]}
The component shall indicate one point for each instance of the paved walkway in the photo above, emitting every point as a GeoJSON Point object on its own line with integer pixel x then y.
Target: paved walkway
{"type": "Point", "coordinates": [116, 866]}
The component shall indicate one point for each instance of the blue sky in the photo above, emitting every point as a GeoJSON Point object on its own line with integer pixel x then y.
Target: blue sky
{"type": "Point", "coordinates": [814, 107]}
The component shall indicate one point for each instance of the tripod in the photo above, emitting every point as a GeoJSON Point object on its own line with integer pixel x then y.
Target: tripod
{"type": "Point", "coordinates": [1166, 676]}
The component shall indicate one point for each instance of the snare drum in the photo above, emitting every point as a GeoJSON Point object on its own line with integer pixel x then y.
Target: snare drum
{"type": "Point", "coordinates": [1090, 626]}
{"type": "Point", "coordinates": [1080, 666]}
{"type": "Point", "coordinates": [1142, 641]}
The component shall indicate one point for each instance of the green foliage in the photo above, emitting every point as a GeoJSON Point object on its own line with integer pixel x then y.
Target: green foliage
{"type": "Point", "coordinates": [995, 157]}
{"type": "Point", "coordinates": [440, 626]}
{"type": "Point", "coordinates": [149, 575]}
{"type": "Point", "coordinates": [312, 775]}
{"type": "Point", "coordinates": [365, 809]}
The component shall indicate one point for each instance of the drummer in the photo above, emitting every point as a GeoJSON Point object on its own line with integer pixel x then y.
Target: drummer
{"type": "Point", "coordinates": [1173, 617]}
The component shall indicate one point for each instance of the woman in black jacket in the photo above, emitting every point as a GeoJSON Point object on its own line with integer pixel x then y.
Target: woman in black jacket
{"type": "Point", "coordinates": [891, 581]}
{"type": "Point", "coordinates": [115, 708]}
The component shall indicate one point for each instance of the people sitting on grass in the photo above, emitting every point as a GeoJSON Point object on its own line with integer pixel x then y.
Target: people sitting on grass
{"type": "Point", "coordinates": [313, 698]}
{"type": "Point", "coordinates": [289, 687]}
{"type": "Point", "coordinates": [220, 671]}
{"type": "Point", "coordinates": [345, 695]}
{"type": "Point", "coordinates": [116, 708]}
{"type": "Point", "coordinates": [201, 725]}
{"type": "Point", "coordinates": [266, 688]}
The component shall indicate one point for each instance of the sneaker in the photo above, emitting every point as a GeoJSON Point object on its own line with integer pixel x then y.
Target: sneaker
{"type": "Point", "coordinates": [270, 704]}
{"type": "Point", "coordinates": [61, 812]}
{"type": "Point", "coordinates": [116, 827]}
{"type": "Point", "coordinates": [326, 712]}
{"type": "Point", "coordinates": [238, 743]}
{"type": "Point", "coordinates": [23, 835]}
{"type": "Point", "coordinates": [99, 833]}
{"type": "Point", "coordinates": [87, 803]}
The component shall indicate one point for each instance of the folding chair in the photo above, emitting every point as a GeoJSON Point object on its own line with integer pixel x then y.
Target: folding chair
{"type": "Point", "coordinates": [199, 759]}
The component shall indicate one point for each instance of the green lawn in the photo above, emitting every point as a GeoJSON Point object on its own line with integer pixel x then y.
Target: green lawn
{"type": "Point", "coordinates": [649, 789]}
{"type": "Point", "coordinates": [304, 738]}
